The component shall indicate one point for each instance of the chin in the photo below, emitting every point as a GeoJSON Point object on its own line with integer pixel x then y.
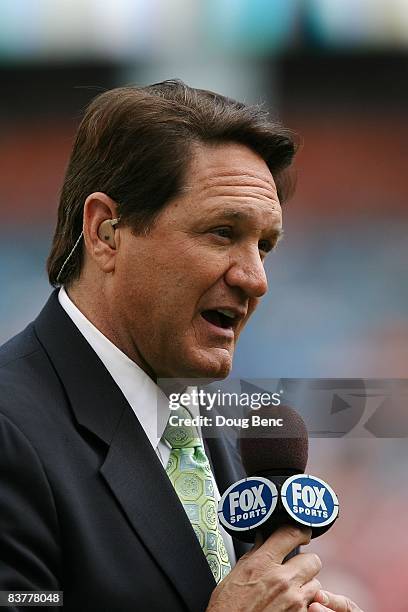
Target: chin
{"type": "Point", "coordinates": [209, 365]}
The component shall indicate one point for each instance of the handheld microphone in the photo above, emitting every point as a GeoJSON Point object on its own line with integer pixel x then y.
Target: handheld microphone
{"type": "Point", "coordinates": [274, 451]}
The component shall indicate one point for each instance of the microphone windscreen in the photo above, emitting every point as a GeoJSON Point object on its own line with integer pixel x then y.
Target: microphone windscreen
{"type": "Point", "coordinates": [274, 449]}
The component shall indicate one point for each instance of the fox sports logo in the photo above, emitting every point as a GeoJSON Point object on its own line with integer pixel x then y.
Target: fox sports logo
{"type": "Point", "coordinates": [247, 504]}
{"type": "Point", "coordinates": [309, 500]}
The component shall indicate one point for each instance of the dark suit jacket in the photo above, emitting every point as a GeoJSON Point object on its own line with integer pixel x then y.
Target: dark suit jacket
{"type": "Point", "coordinates": [85, 504]}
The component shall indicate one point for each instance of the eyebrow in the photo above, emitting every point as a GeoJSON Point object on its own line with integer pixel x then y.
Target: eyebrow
{"type": "Point", "coordinates": [239, 215]}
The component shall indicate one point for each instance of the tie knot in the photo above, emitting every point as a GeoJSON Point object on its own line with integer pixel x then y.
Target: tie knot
{"type": "Point", "coordinates": [179, 434]}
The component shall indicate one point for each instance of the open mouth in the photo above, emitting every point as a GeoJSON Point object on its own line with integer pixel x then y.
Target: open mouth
{"type": "Point", "coordinates": [220, 318]}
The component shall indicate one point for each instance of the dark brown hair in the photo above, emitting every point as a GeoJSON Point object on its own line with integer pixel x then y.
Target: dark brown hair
{"type": "Point", "coordinates": [135, 143]}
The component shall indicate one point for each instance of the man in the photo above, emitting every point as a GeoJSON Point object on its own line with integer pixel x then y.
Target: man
{"type": "Point", "coordinates": [170, 205]}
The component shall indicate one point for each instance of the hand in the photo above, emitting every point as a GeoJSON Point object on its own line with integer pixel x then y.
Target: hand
{"type": "Point", "coordinates": [328, 602]}
{"type": "Point", "coordinates": [260, 582]}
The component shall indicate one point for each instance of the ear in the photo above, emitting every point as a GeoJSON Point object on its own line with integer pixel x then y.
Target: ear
{"type": "Point", "coordinates": [100, 237]}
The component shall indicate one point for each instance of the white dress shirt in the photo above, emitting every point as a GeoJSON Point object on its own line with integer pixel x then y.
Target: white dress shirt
{"type": "Point", "coordinates": [146, 399]}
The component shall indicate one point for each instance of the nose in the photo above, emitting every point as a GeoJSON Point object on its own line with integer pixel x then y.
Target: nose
{"type": "Point", "coordinates": [248, 273]}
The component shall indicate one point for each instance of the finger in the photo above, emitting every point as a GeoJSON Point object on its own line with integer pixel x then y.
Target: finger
{"type": "Point", "coordinates": [304, 567]}
{"type": "Point", "coordinates": [316, 607]}
{"type": "Point", "coordinates": [282, 542]}
{"type": "Point", "coordinates": [310, 589]}
{"type": "Point", "coordinates": [337, 603]}
{"type": "Point", "coordinates": [257, 544]}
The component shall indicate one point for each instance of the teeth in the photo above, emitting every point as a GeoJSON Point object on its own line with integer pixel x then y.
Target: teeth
{"type": "Point", "coordinates": [227, 313]}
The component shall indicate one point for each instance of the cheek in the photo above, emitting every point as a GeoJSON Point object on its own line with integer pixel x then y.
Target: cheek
{"type": "Point", "coordinates": [191, 276]}
{"type": "Point", "coordinates": [166, 284]}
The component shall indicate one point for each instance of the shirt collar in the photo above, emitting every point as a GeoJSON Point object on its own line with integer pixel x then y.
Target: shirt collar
{"type": "Point", "coordinates": [147, 401]}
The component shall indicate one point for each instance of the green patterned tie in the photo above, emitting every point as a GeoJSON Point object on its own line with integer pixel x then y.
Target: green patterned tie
{"type": "Point", "coordinates": [190, 473]}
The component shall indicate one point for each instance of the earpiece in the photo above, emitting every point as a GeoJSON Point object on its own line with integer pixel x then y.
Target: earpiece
{"type": "Point", "coordinates": [106, 231]}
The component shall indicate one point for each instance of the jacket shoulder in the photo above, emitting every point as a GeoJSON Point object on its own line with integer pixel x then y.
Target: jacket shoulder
{"type": "Point", "coordinates": [30, 392]}
{"type": "Point", "coordinates": [18, 347]}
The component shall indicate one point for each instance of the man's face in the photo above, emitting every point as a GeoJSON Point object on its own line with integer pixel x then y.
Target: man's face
{"type": "Point", "coordinates": [181, 295]}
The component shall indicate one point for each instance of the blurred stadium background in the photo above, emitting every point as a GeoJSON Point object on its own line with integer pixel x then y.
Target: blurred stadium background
{"type": "Point", "coordinates": [336, 72]}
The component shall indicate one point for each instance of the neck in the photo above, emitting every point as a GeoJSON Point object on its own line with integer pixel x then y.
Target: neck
{"type": "Point", "coordinates": [93, 303]}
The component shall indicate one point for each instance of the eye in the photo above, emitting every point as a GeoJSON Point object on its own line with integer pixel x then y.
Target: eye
{"type": "Point", "coordinates": [223, 232]}
{"type": "Point", "coordinates": [265, 246]}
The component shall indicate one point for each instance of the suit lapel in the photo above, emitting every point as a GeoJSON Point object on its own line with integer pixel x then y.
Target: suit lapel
{"type": "Point", "coordinates": [138, 481]}
{"type": "Point", "coordinates": [131, 467]}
